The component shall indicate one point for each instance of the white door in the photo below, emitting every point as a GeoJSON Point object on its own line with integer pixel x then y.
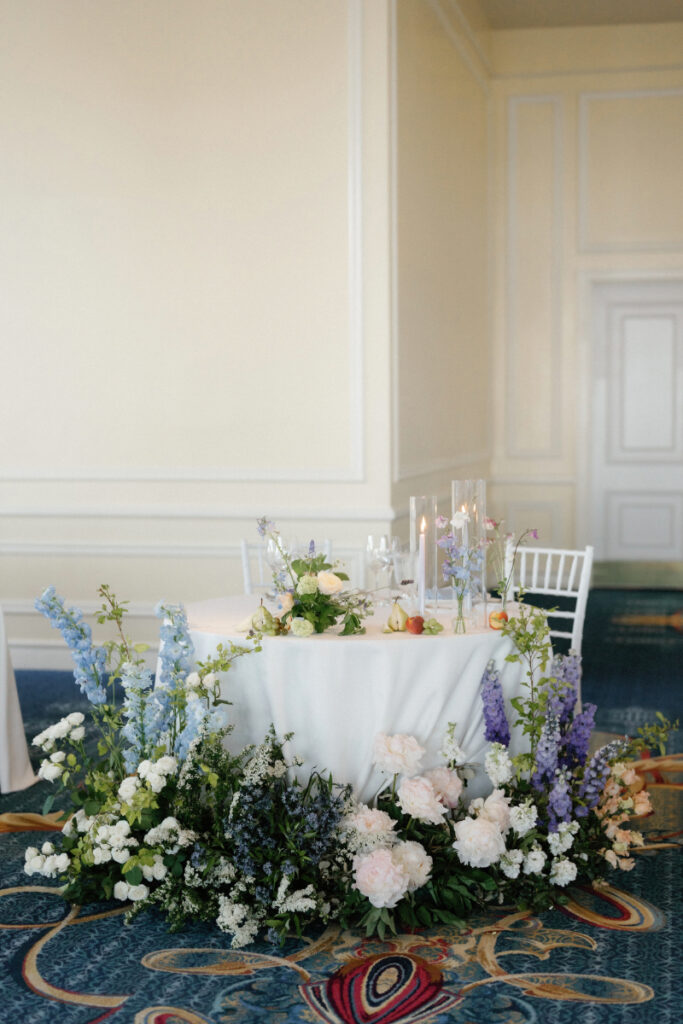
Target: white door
{"type": "Point", "coordinates": [636, 491]}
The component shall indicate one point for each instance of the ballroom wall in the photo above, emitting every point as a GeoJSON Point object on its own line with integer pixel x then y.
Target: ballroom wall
{"type": "Point", "coordinates": [588, 148]}
{"type": "Point", "coordinates": [302, 259]}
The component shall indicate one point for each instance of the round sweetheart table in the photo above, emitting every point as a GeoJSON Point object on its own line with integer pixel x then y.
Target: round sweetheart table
{"type": "Point", "coordinates": [336, 693]}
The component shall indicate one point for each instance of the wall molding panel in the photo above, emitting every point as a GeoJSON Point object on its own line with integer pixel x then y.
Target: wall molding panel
{"type": "Point", "coordinates": [519, 250]}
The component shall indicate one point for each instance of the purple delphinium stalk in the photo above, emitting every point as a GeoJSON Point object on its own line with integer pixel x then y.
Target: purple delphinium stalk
{"type": "Point", "coordinates": [547, 753]}
{"type": "Point", "coordinates": [577, 740]}
{"type": "Point", "coordinates": [559, 802]}
{"type": "Point", "coordinates": [90, 661]}
{"type": "Point", "coordinates": [595, 776]}
{"type": "Point", "coordinates": [497, 728]}
{"type": "Point", "coordinates": [567, 670]}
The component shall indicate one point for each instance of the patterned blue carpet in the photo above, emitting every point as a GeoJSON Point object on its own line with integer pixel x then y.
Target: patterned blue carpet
{"type": "Point", "coordinates": [611, 958]}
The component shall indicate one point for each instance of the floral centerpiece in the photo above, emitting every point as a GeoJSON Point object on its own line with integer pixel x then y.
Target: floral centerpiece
{"type": "Point", "coordinates": [462, 564]}
{"type": "Point", "coordinates": [166, 818]}
{"type": "Point", "coordinates": [311, 592]}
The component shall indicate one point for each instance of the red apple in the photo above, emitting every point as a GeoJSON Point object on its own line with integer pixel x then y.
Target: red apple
{"type": "Point", "coordinates": [497, 619]}
{"type": "Point", "coordinates": [415, 624]}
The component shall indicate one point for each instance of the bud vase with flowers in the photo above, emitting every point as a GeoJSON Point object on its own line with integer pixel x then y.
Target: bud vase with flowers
{"type": "Point", "coordinates": [502, 551]}
{"type": "Point", "coordinates": [462, 564]}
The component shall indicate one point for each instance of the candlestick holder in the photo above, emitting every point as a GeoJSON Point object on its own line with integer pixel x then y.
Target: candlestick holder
{"type": "Point", "coordinates": [423, 523]}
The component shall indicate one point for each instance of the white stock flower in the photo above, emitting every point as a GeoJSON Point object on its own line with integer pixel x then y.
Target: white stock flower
{"type": "Point", "coordinates": [307, 584]}
{"type": "Point", "coordinates": [447, 785]}
{"type": "Point", "coordinates": [301, 627]}
{"type": "Point", "coordinates": [534, 860]}
{"type": "Point", "coordinates": [523, 817]}
{"type": "Point", "coordinates": [479, 842]}
{"type": "Point", "coordinates": [562, 871]}
{"type": "Point", "coordinates": [329, 583]}
{"type": "Point", "coordinates": [562, 840]}
{"type": "Point", "coordinates": [451, 751]}
{"type": "Point", "coordinates": [418, 798]}
{"type": "Point", "coordinates": [415, 861]}
{"type": "Point", "coordinates": [511, 863]}
{"type": "Point", "coordinates": [380, 878]}
{"type": "Point", "coordinates": [498, 765]}
{"type": "Point", "coordinates": [398, 754]}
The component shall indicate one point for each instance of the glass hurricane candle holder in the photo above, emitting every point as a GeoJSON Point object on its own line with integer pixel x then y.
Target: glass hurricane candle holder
{"type": "Point", "coordinates": [423, 537]}
{"type": "Point", "coordinates": [468, 512]}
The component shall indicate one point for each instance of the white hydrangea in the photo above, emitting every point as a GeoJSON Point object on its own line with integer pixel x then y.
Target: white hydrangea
{"type": "Point", "coordinates": [534, 860]}
{"type": "Point", "coordinates": [562, 871]}
{"type": "Point", "coordinates": [498, 765]}
{"type": "Point", "coordinates": [523, 817]}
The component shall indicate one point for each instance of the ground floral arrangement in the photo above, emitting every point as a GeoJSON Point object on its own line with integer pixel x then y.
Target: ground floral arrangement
{"type": "Point", "coordinates": [165, 818]}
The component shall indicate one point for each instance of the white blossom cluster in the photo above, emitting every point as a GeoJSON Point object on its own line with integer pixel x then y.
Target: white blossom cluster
{"type": "Point", "coordinates": [70, 728]}
{"type": "Point", "coordinates": [238, 920]}
{"type": "Point", "coordinates": [170, 835]}
{"type": "Point", "coordinates": [498, 765]}
{"type": "Point", "coordinates": [46, 861]}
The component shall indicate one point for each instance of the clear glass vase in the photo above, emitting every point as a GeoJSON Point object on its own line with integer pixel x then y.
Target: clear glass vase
{"type": "Point", "coordinates": [459, 625]}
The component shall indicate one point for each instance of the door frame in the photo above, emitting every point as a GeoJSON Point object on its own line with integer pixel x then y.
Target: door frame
{"type": "Point", "coordinates": [588, 280]}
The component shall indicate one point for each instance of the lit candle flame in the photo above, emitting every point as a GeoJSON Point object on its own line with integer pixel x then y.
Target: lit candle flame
{"type": "Point", "coordinates": [423, 525]}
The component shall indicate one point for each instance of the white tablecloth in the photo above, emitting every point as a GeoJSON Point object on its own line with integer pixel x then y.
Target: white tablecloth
{"type": "Point", "coordinates": [15, 766]}
{"type": "Point", "coordinates": [336, 693]}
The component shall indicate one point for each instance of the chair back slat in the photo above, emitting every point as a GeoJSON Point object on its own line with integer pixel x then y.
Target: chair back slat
{"type": "Point", "coordinates": [560, 570]}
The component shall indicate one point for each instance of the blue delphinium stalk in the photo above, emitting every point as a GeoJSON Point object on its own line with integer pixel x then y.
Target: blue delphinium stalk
{"type": "Point", "coordinates": [264, 526]}
{"type": "Point", "coordinates": [547, 753]}
{"type": "Point", "coordinates": [176, 649]}
{"type": "Point", "coordinates": [559, 802]}
{"type": "Point", "coordinates": [497, 728]}
{"type": "Point", "coordinates": [199, 719]}
{"type": "Point", "coordinates": [90, 661]}
{"type": "Point", "coordinates": [577, 740]}
{"type": "Point", "coordinates": [138, 712]}
{"type": "Point", "coordinates": [462, 565]}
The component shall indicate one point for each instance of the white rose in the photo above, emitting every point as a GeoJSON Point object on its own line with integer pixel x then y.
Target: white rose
{"type": "Point", "coordinates": [58, 757]}
{"type": "Point", "coordinates": [479, 842]}
{"type": "Point", "coordinates": [397, 754]}
{"type": "Point", "coordinates": [137, 892]}
{"type": "Point", "coordinates": [155, 781]}
{"type": "Point", "coordinates": [192, 681]}
{"type": "Point", "coordinates": [417, 798]}
{"type": "Point", "coordinates": [49, 771]}
{"type": "Point", "coordinates": [121, 891]}
{"type": "Point", "coordinates": [380, 878]}
{"type": "Point", "coordinates": [301, 627]}
{"type": "Point", "coordinates": [329, 583]}
{"type": "Point", "coordinates": [77, 734]}
{"type": "Point", "coordinates": [62, 862]}
{"type": "Point", "coordinates": [210, 679]}
{"type": "Point", "coordinates": [166, 765]}
{"type": "Point", "coordinates": [447, 785]}
{"type": "Point", "coordinates": [34, 865]}
{"type": "Point", "coordinates": [30, 852]}
{"type": "Point", "coordinates": [307, 584]}
{"type": "Point", "coordinates": [47, 848]}
{"type": "Point", "coordinates": [159, 869]}
{"type": "Point", "coordinates": [121, 854]}
{"type": "Point", "coordinates": [128, 788]}
{"type": "Point", "coordinates": [101, 855]}
{"type": "Point", "coordinates": [75, 718]}
{"type": "Point", "coordinates": [60, 729]}
{"type": "Point", "coordinates": [415, 861]}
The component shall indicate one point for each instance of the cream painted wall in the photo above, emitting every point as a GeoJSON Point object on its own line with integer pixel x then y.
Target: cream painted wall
{"type": "Point", "coordinates": [195, 322]}
{"type": "Point", "coordinates": [441, 327]}
{"type": "Point", "coordinates": [588, 146]}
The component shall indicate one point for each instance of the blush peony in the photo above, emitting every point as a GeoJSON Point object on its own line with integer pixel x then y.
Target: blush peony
{"type": "Point", "coordinates": [479, 842]}
{"type": "Point", "coordinates": [447, 785]}
{"type": "Point", "coordinates": [418, 798]}
{"type": "Point", "coordinates": [380, 878]}
{"type": "Point", "coordinates": [415, 861]}
{"type": "Point", "coordinates": [399, 754]}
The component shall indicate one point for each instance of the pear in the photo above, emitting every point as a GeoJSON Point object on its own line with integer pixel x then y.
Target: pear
{"type": "Point", "coordinates": [262, 620]}
{"type": "Point", "coordinates": [397, 618]}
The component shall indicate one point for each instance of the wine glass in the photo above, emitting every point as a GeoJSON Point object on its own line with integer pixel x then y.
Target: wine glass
{"type": "Point", "coordinates": [378, 563]}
